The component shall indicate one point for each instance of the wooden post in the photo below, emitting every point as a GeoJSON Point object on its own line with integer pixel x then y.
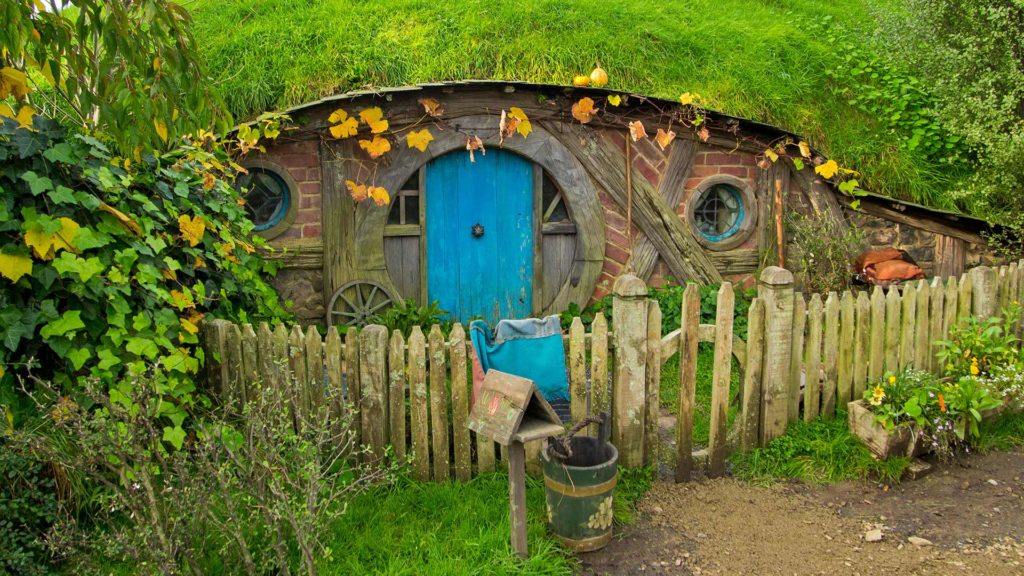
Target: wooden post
{"type": "Point", "coordinates": [892, 330]}
{"type": "Point", "coordinates": [984, 290]}
{"type": "Point", "coordinates": [234, 385]}
{"type": "Point", "coordinates": [965, 297]}
{"type": "Point", "coordinates": [250, 364]}
{"type": "Point", "coordinates": [812, 380]}
{"type": "Point", "coordinates": [844, 385]}
{"type": "Point", "coordinates": [935, 333]}
{"type": "Point", "coordinates": [688, 340]}
{"type": "Point", "coordinates": [438, 404]}
{"type": "Point", "coordinates": [780, 238]}
{"type": "Point", "coordinates": [751, 407]}
{"type": "Point", "coordinates": [599, 392]}
{"type": "Point", "coordinates": [720, 380]}
{"type": "Point", "coordinates": [216, 367]}
{"type": "Point", "coordinates": [460, 403]}
{"type": "Point", "coordinates": [950, 307]}
{"type": "Point", "coordinates": [267, 363]}
{"type": "Point", "coordinates": [862, 345]}
{"type": "Point", "coordinates": [922, 330]}
{"type": "Point", "coordinates": [876, 354]}
{"type": "Point", "coordinates": [373, 348]}
{"type": "Point", "coordinates": [297, 363]}
{"type": "Point", "coordinates": [314, 383]}
{"type": "Point", "coordinates": [517, 497]}
{"type": "Point", "coordinates": [332, 360]}
{"type": "Point", "coordinates": [355, 397]}
{"type": "Point", "coordinates": [908, 322]}
{"type": "Point", "coordinates": [831, 356]}
{"type": "Point", "coordinates": [629, 327]}
{"type": "Point", "coordinates": [652, 392]}
{"type": "Point", "coordinates": [578, 404]}
{"type": "Point", "coordinates": [396, 394]}
{"type": "Point", "coordinates": [775, 288]}
{"type": "Point", "coordinates": [418, 400]}
{"type": "Point", "coordinates": [797, 356]}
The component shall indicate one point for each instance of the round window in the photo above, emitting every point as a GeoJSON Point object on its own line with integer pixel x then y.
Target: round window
{"type": "Point", "coordinates": [718, 212]}
{"type": "Point", "coordinates": [267, 197]}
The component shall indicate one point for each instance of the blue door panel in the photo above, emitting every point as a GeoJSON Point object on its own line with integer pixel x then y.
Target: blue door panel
{"type": "Point", "coordinates": [490, 276]}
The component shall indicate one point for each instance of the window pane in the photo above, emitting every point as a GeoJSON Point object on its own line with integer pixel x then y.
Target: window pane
{"type": "Point", "coordinates": [412, 209]}
{"type": "Point", "coordinates": [266, 197]}
{"type": "Point", "coordinates": [718, 212]}
{"type": "Point", "coordinates": [550, 195]}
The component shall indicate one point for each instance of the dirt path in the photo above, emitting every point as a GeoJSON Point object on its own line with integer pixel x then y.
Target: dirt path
{"type": "Point", "coordinates": [972, 513]}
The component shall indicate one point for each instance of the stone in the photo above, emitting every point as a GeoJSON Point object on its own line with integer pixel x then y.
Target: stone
{"type": "Point", "coordinates": [918, 541]}
{"type": "Point", "coordinates": [873, 535]}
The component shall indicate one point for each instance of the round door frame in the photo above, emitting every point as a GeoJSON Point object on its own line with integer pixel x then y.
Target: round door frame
{"type": "Point", "coordinates": [542, 148]}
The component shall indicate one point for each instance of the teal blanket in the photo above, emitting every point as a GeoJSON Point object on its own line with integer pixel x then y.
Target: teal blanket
{"type": "Point", "coordinates": [530, 348]}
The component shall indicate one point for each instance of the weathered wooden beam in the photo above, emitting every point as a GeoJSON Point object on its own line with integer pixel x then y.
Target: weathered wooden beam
{"type": "Point", "coordinates": [672, 186]}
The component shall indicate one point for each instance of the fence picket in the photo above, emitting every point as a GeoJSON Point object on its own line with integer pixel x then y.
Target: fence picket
{"type": "Point", "coordinates": [830, 355]}
{"type": "Point", "coordinates": [908, 319]}
{"type": "Point", "coordinates": [892, 330]}
{"type": "Point", "coordinates": [460, 402]}
{"type": "Point", "coordinates": [812, 377]}
{"type": "Point", "coordinates": [315, 373]}
{"type": "Point", "coordinates": [577, 371]}
{"type": "Point", "coordinates": [396, 394]}
{"type": "Point", "coordinates": [283, 368]}
{"type": "Point", "coordinates": [951, 307]}
{"type": "Point", "coordinates": [844, 384]}
{"type": "Point", "coordinates": [922, 326]}
{"type": "Point", "coordinates": [652, 395]}
{"type": "Point", "coordinates": [234, 384]}
{"type": "Point", "coordinates": [861, 345]}
{"type": "Point", "coordinates": [797, 356]}
{"type": "Point", "coordinates": [938, 302]}
{"type": "Point", "coordinates": [355, 396]}
{"type": "Point", "coordinates": [265, 357]}
{"type": "Point", "coordinates": [599, 390]}
{"type": "Point", "coordinates": [877, 336]}
{"type": "Point", "coordinates": [250, 364]}
{"type": "Point", "coordinates": [720, 380]}
{"type": "Point", "coordinates": [333, 364]}
{"type": "Point", "coordinates": [965, 303]}
{"type": "Point", "coordinates": [438, 404]}
{"type": "Point", "coordinates": [688, 341]}
{"type": "Point", "coordinates": [418, 401]}
{"type": "Point", "coordinates": [373, 343]}
{"type": "Point", "coordinates": [750, 410]}
{"type": "Point", "coordinates": [297, 365]}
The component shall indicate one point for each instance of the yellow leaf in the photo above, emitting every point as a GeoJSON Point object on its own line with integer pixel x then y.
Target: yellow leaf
{"type": "Point", "coordinates": [771, 155]}
{"type": "Point", "coordinates": [614, 99]}
{"type": "Point", "coordinates": [13, 82]}
{"type": "Point", "coordinates": [45, 246]}
{"type": "Point", "coordinates": [419, 139]}
{"type": "Point", "coordinates": [374, 118]}
{"type": "Point", "coordinates": [805, 150]}
{"type": "Point", "coordinates": [357, 191]}
{"type": "Point", "coordinates": [156, 63]}
{"type": "Point", "coordinates": [828, 169]}
{"type": "Point", "coordinates": [199, 263]}
{"type": "Point", "coordinates": [192, 229]}
{"type": "Point", "coordinates": [637, 130]}
{"type": "Point", "coordinates": [161, 128]}
{"type": "Point", "coordinates": [182, 300]}
{"type": "Point", "coordinates": [14, 267]}
{"type": "Point", "coordinates": [432, 107]}
{"type": "Point", "coordinates": [686, 98]}
{"type": "Point", "coordinates": [583, 110]}
{"type": "Point", "coordinates": [23, 117]}
{"type": "Point", "coordinates": [123, 218]}
{"type": "Point", "coordinates": [376, 147]}
{"type": "Point", "coordinates": [169, 274]}
{"type": "Point", "coordinates": [188, 326]}
{"type": "Point", "coordinates": [343, 125]}
{"type": "Point", "coordinates": [664, 138]}
{"type": "Point", "coordinates": [524, 127]}
{"type": "Point", "coordinates": [379, 195]}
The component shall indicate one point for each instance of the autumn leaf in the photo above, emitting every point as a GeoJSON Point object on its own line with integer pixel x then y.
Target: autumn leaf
{"type": "Point", "coordinates": [45, 246]}
{"type": "Point", "coordinates": [209, 180]}
{"type": "Point", "coordinates": [686, 98]}
{"type": "Point", "coordinates": [664, 138]}
{"type": "Point", "coordinates": [182, 300]}
{"type": "Point", "coordinates": [524, 127]}
{"type": "Point", "coordinates": [123, 218]}
{"type": "Point", "coordinates": [188, 326]}
{"type": "Point", "coordinates": [192, 229]}
{"type": "Point", "coordinates": [805, 150]}
{"type": "Point", "coordinates": [828, 169]}
{"type": "Point", "coordinates": [475, 143]}
{"type": "Point", "coordinates": [583, 110]}
{"type": "Point", "coordinates": [374, 118]}
{"type": "Point", "coordinates": [13, 82]}
{"type": "Point", "coordinates": [199, 263]}
{"type": "Point", "coordinates": [342, 125]}
{"type": "Point", "coordinates": [703, 134]}
{"type": "Point", "coordinates": [614, 99]}
{"type": "Point", "coordinates": [432, 107]}
{"type": "Point", "coordinates": [376, 147]}
{"type": "Point", "coordinates": [771, 155]}
{"type": "Point", "coordinates": [357, 191]}
{"type": "Point", "coordinates": [23, 117]}
{"type": "Point", "coordinates": [169, 274]}
{"type": "Point", "coordinates": [13, 266]}
{"type": "Point", "coordinates": [637, 130]}
{"type": "Point", "coordinates": [506, 127]}
{"type": "Point", "coordinates": [161, 128]}
{"type": "Point", "coordinates": [379, 195]}
{"type": "Point", "coordinates": [419, 139]}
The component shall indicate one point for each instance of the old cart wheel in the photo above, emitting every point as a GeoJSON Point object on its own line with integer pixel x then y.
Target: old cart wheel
{"type": "Point", "coordinates": [357, 302]}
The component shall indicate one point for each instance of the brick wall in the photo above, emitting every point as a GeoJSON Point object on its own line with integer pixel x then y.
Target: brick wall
{"type": "Point", "coordinates": [302, 160]}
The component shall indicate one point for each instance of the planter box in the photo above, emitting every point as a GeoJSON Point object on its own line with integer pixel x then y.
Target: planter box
{"type": "Point", "coordinates": [881, 442]}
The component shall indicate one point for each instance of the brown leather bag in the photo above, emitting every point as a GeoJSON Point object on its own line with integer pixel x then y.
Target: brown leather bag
{"type": "Point", "coordinates": [871, 257]}
{"type": "Point", "coordinates": [892, 271]}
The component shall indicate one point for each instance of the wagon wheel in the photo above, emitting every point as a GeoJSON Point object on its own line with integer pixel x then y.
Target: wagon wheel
{"type": "Point", "coordinates": [357, 302]}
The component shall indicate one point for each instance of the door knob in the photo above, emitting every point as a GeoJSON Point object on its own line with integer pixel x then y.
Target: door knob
{"type": "Point", "coordinates": [477, 230]}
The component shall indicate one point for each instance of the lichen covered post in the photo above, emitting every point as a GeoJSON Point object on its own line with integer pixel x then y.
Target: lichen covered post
{"type": "Point", "coordinates": [775, 288]}
{"type": "Point", "coordinates": [629, 328]}
{"type": "Point", "coordinates": [985, 291]}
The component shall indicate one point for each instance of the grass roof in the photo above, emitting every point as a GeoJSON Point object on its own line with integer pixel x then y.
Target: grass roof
{"type": "Point", "coordinates": [758, 59]}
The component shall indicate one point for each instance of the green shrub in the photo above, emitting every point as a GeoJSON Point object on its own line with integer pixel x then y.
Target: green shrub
{"type": "Point", "coordinates": [28, 507]}
{"type": "Point", "coordinates": [408, 314]}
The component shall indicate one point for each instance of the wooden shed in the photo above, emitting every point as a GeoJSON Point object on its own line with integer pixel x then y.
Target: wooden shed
{"type": "Point", "coordinates": [528, 225]}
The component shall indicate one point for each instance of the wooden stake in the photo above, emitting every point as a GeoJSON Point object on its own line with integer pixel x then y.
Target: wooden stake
{"type": "Point", "coordinates": [779, 240]}
{"type": "Point", "coordinates": [517, 497]}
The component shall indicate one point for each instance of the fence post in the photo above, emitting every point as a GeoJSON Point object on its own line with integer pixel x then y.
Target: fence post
{"type": "Point", "coordinates": [373, 353]}
{"type": "Point", "coordinates": [775, 288]}
{"type": "Point", "coordinates": [629, 329]}
{"type": "Point", "coordinates": [984, 291]}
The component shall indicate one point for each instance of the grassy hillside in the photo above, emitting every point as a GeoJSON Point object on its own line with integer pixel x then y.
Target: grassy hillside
{"type": "Point", "coordinates": [762, 59]}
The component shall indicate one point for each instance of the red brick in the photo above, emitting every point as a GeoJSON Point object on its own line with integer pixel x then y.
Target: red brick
{"type": "Point", "coordinates": [646, 170]}
{"type": "Point", "coordinates": [612, 269]}
{"type": "Point", "coordinates": [703, 171]}
{"type": "Point", "coordinates": [309, 188]}
{"type": "Point", "coordinates": [617, 138]}
{"type": "Point", "coordinates": [616, 254]}
{"type": "Point", "coordinates": [615, 220]}
{"type": "Point", "coordinates": [649, 151]}
{"type": "Point", "coordinates": [702, 158]}
{"type": "Point", "coordinates": [747, 159]}
{"type": "Point", "coordinates": [616, 237]}
{"type": "Point", "coordinates": [693, 183]}
{"type": "Point", "coordinates": [311, 231]}
{"type": "Point", "coordinates": [599, 292]}
{"type": "Point", "coordinates": [607, 202]}
{"type": "Point", "coordinates": [312, 175]}
{"type": "Point", "coordinates": [293, 232]}
{"type": "Point", "coordinates": [721, 159]}
{"type": "Point", "coordinates": [307, 216]}
{"type": "Point", "coordinates": [737, 171]}
{"type": "Point", "coordinates": [298, 160]}
{"type": "Point", "coordinates": [310, 201]}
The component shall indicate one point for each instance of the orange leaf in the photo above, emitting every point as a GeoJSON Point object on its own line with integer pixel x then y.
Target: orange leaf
{"type": "Point", "coordinates": [432, 107]}
{"type": "Point", "coordinates": [343, 125]}
{"type": "Point", "coordinates": [357, 191]}
{"type": "Point", "coordinates": [583, 110]}
{"type": "Point", "coordinates": [379, 195]}
{"type": "Point", "coordinates": [637, 130]}
{"type": "Point", "coordinates": [374, 118]}
{"type": "Point", "coordinates": [419, 139]}
{"type": "Point", "coordinates": [376, 147]}
{"type": "Point", "coordinates": [703, 134]}
{"type": "Point", "coordinates": [524, 127]}
{"type": "Point", "coordinates": [475, 143]}
{"type": "Point", "coordinates": [664, 138]}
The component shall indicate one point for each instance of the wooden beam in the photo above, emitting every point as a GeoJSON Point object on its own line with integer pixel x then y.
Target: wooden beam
{"type": "Point", "coordinates": [872, 208]}
{"type": "Point", "coordinates": [681, 157]}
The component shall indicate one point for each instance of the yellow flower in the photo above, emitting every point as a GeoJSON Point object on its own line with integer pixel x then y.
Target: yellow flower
{"type": "Point", "coordinates": [974, 369]}
{"type": "Point", "coordinates": [877, 395]}
{"type": "Point", "coordinates": [892, 379]}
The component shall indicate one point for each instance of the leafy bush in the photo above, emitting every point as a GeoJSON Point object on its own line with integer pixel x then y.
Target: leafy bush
{"type": "Point", "coordinates": [975, 346]}
{"type": "Point", "coordinates": [408, 314]}
{"type": "Point", "coordinates": [109, 263]}
{"type": "Point", "coordinates": [821, 257]}
{"type": "Point", "coordinates": [28, 507]}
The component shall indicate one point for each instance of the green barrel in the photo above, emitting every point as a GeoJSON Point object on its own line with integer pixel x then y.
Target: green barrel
{"type": "Point", "coordinates": [580, 493]}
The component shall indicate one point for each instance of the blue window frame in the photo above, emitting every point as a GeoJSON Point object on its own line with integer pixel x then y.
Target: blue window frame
{"type": "Point", "coordinates": [267, 197]}
{"type": "Point", "coordinates": [718, 213]}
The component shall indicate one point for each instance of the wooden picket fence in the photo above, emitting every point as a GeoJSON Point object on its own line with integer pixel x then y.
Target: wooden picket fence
{"type": "Point", "coordinates": [803, 359]}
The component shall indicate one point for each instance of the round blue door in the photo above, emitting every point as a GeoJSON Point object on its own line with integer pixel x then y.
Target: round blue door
{"type": "Point", "coordinates": [479, 247]}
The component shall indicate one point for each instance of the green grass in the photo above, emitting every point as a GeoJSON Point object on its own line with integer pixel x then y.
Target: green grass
{"type": "Point", "coordinates": [702, 405]}
{"type": "Point", "coordinates": [752, 58]}
{"type": "Point", "coordinates": [817, 452]}
{"type": "Point", "coordinates": [1003, 433]}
